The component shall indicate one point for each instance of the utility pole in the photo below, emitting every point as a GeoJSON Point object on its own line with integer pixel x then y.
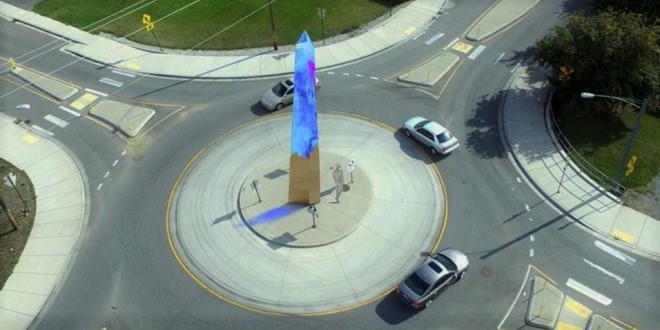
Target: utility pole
{"type": "Point", "coordinates": [272, 24]}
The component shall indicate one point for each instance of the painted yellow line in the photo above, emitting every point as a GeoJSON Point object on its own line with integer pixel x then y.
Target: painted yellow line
{"type": "Point", "coordinates": [628, 326]}
{"type": "Point", "coordinates": [623, 236]}
{"type": "Point", "coordinates": [566, 326]}
{"type": "Point", "coordinates": [450, 77]}
{"type": "Point", "coordinates": [197, 156]}
{"type": "Point", "coordinates": [577, 308]}
{"type": "Point", "coordinates": [543, 274]}
{"type": "Point", "coordinates": [29, 138]}
{"type": "Point", "coordinates": [462, 47]}
{"type": "Point", "coordinates": [409, 30]}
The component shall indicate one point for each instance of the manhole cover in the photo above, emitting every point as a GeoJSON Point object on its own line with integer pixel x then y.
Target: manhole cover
{"type": "Point", "coordinates": [137, 157]}
{"type": "Point", "coordinates": [485, 271]}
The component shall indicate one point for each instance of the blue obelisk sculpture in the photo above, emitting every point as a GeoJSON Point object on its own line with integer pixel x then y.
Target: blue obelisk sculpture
{"type": "Point", "coordinates": [304, 169]}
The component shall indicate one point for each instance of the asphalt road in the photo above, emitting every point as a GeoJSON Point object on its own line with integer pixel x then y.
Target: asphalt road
{"type": "Point", "coordinates": [126, 277]}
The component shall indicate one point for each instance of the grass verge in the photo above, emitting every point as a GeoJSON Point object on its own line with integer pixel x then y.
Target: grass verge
{"type": "Point", "coordinates": [12, 242]}
{"type": "Point", "coordinates": [185, 27]}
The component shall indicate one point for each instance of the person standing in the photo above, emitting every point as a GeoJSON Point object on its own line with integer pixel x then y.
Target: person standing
{"type": "Point", "coordinates": [338, 175]}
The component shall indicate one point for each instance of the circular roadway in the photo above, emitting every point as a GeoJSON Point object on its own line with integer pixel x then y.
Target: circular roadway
{"type": "Point", "coordinates": [264, 254]}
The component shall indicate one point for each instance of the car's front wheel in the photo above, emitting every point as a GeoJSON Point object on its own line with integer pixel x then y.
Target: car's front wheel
{"type": "Point", "coordinates": [434, 150]}
{"type": "Point", "coordinates": [279, 106]}
{"type": "Point", "coordinates": [407, 132]}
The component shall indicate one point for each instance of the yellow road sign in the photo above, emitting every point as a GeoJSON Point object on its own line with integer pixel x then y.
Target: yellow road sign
{"type": "Point", "coordinates": [146, 19]}
{"type": "Point", "coordinates": [12, 63]}
{"type": "Point", "coordinates": [150, 26]}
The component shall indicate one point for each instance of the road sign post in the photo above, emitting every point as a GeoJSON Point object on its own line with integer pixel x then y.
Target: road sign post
{"type": "Point", "coordinates": [321, 13]}
{"type": "Point", "coordinates": [563, 173]}
{"type": "Point", "coordinates": [9, 179]}
{"type": "Point", "coordinates": [255, 188]}
{"type": "Point", "coordinates": [149, 25]}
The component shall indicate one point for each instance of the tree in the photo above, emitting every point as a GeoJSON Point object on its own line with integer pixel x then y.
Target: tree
{"type": "Point", "coordinates": [612, 53]}
{"type": "Point", "coordinates": [648, 7]}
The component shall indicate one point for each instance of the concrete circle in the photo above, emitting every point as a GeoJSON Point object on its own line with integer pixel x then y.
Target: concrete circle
{"type": "Point", "coordinates": [264, 207]}
{"type": "Point", "coordinates": [403, 219]}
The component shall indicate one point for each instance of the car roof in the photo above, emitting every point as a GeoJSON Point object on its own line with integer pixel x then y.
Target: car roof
{"type": "Point", "coordinates": [430, 271]}
{"type": "Point", "coordinates": [434, 128]}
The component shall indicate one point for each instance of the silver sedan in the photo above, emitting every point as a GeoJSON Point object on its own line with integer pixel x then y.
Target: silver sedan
{"type": "Point", "coordinates": [431, 278]}
{"type": "Point", "coordinates": [433, 135]}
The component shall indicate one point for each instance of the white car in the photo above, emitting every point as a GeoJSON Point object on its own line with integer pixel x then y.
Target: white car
{"type": "Point", "coordinates": [433, 135]}
{"type": "Point", "coordinates": [281, 94]}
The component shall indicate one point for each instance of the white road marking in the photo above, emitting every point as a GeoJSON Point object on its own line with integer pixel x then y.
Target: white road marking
{"type": "Point", "coordinates": [345, 74]}
{"type": "Point", "coordinates": [607, 272]}
{"type": "Point", "coordinates": [530, 219]}
{"type": "Point", "coordinates": [527, 207]}
{"type": "Point", "coordinates": [522, 286]}
{"type": "Point", "coordinates": [419, 35]}
{"type": "Point", "coordinates": [77, 114]}
{"type": "Point", "coordinates": [55, 120]}
{"type": "Point", "coordinates": [115, 162]}
{"type": "Point", "coordinates": [451, 43]}
{"type": "Point", "coordinates": [358, 75]}
{"type": "Point", "coordinates": [373, 78]}
{"type": "Point", "coordinates": [498, 58]}
{"type": "Point", "coordinates": [518, 179]}
{"type": "Point", "coordinates": [515, 67]}
{"type": "Point", "coordinates": [616, 253]}
{"type": "Point", "coordinates": [427, 92]}
{"type": "Point", "coordinates": [476, 52]}
{"type": "Point", "coordinates": [111, 82]}
{"type": "Point", "coordinates": [531, 253]}
{"type": "Point", "coordinates": [330, 72]}
{"type": "Point", "coordinates": [591, 293]}
{"type": "Point", "coordinates": [99, 186]}
{"type": "Point", "coordinates": [123, 152]}
{"type": "Point", "coordinates": [106, 174]}
{"type": "Point", "coordinates": [434, 38]}
{"type": "Point", "coordinates": [124, 73]}
{"type": "Point", "coordinates": [43, 130]}
{"type": "Point", "coordinates": [96, 92]}
{"type": "Point", "coordinates": [531, 238]}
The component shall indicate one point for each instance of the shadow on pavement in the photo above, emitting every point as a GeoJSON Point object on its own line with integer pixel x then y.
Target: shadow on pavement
{"type": "Point", "coordinates": [415, 149]}
{"type": "Point", "coordinates": [259, 110]}
{"type": "Point", "coordinates": [391, 310]}
{"type": "Point", "coordinates": [483, 136]}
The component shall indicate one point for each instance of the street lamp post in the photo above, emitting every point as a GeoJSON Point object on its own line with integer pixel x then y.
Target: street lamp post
{"type": "Point", "coordinates": [628, 148]}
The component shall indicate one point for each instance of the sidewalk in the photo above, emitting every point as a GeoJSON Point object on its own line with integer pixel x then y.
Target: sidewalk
{"type": "Point", "coordinates": [61, 212]}
{"type": "Point", "coordinates": [534, 150]}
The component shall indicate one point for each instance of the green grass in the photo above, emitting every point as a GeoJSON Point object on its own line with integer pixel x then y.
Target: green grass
{"type": "Point", "coordinates": [601, 141]}
{"type": "Point", "coordinates": [205, 18]}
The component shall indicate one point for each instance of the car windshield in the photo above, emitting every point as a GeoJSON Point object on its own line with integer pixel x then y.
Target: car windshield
{"type": "Point", "coordinates": [444, 136]}
{"type": "Point", "coordinates": [422, 123]}
{"type": "Point", "coordinates": [416, 284]}
{"type": "Point", "coordinates": [279, 89]}
{"type": "Point", "coordinates": [449, 265]}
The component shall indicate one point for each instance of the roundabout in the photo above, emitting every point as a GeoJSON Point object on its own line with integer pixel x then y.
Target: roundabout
{"type": "Point", "coordinates": [231, 229]}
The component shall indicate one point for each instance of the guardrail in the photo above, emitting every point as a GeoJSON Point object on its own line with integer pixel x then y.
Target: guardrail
{"type": "Point", "coordinates": [603, 180]}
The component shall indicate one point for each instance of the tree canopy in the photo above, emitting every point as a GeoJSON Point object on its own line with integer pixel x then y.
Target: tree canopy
{"type": "Point", "coordinates": [612, 53]}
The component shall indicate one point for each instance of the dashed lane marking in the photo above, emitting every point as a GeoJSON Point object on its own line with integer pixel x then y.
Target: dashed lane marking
{"type": "Point", "coordinates": [346, 74]}
{"type": "Point", "coordinates": [527, 207]}
{"type": "Point", "coordinates": [29, 138]}
{"type": "Point", "coordinates": [115, 162]}
{"type": "Point", "coordinates": [434, 38]}
{"type": "Point", "coordinates": [515, 67]}
{"type": "Point", "coordinates": [122, 73]}
{"type": "Point", "coordinates": [531, 238]}
{"type": "Point", "coordinates": [476, 52]}
{"type": "Point", "coordinates": [531, 253]}
{"type": "Point", "coordinates": [43, 130]}
{"type": "Point", "coordinates": [57, 121]}
{"type": "Point", "coordinates": [498, 58]}
{"type": "Point", "coordinates": [589, 292]}
{"type": "Point", "coordinates": [111, 82]}
{"type": "Point", "coordinates": [373, 78]}
{"type": "Point", "coordinates": [96, 92]}
{"type": "Point", "coordinates": [518, 179]}
{"type": "Point", "coordinates": [63, 108]}
{"type": "Point", "coordinates": [623, 236]}
{"type": "Point", "coordinates": [607, 272]}
{"type": "Point", "coordinates": [106, 174]}
{"type": "Point", "coordinates": [616, 253]}
{"type": "Point", "coordinates": [99, 186]}
{"type": "Point", "coordinates": [358, 75]}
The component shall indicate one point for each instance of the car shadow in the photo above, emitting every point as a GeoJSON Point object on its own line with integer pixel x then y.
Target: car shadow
{"type": "Point", "coordinates": [259, 110]}
{"type": "Point", "coordinates": [415, 149]}
{"type": "Point", "coordinates": [391, 310]}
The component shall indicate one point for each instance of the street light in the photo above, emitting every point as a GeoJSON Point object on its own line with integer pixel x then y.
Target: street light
{"type": "Point", "coordinates": [628, 149]}
{"type": "Point", "coordinates": [20, 106]}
